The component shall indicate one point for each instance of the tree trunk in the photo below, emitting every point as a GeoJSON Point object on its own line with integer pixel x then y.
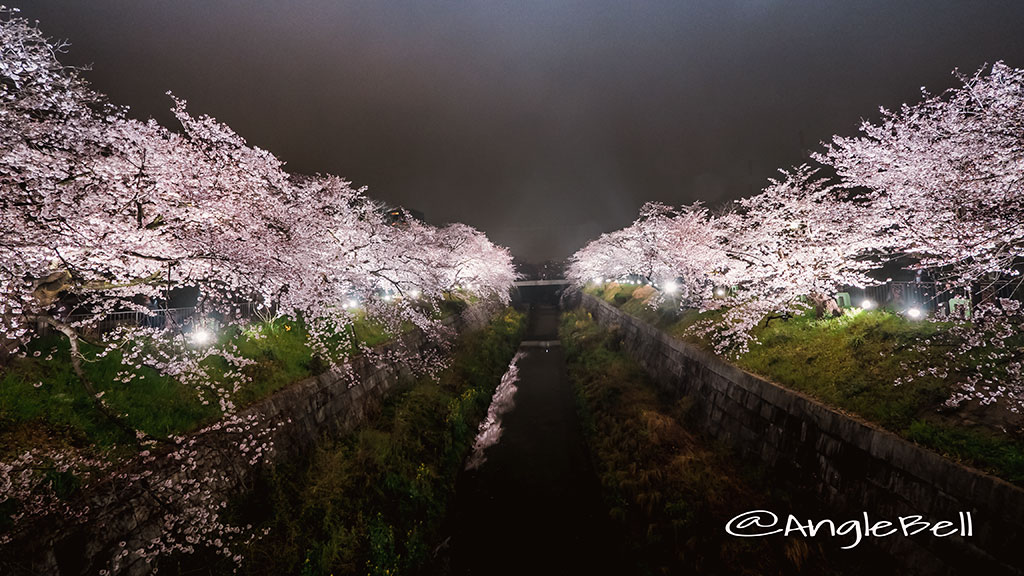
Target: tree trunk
{"type": "Point", "coordinates": [76, 365]}
{"type": "Point", "coordinates": [824, 306]}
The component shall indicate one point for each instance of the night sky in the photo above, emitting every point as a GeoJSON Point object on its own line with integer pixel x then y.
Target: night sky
{"type": "Point", "coordinates": [542, 123]}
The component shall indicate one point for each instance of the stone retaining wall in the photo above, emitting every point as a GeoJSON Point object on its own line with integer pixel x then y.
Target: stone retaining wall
{"type": "Point", "coordinates": [127, 512]}
{"type": "Point", "coordinates": [853, 466]}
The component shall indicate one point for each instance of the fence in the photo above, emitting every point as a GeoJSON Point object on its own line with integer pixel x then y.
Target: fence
{"type": "Point", "coordinates": [158, 318]}
{"type": "Point", "coordinates": [930, 296]}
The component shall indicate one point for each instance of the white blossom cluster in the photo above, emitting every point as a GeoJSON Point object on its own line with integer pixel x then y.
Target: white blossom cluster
{"type": "Point", "coordinates": [764, 257]}
{"type": "Point", "coordinates": [30, 477]}
{"type": "Point", "coordinates": [936, 186]}
{"type": "Point", "coordinates": [191, 497]}
{"type": "Point", "coordinates": [101, 213]}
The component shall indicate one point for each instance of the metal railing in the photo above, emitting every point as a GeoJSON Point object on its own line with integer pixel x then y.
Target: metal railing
{"type": "Point", "coordinates": [930, 296]}
{"type": "Point", "coordinates": [159, 318]}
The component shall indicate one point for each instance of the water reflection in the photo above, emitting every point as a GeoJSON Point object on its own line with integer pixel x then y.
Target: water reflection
{"type": "Point", "coordinates": [502, 402]}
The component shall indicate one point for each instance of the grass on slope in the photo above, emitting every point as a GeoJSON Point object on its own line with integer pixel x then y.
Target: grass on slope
{"type": "Point", "coordinates": [851, 363]}
{"type": "Point", "coordinates": [670, 489]}
{"type": "Point", "coordinates": [43, 404]}
{"type": "Point", "coordinates": [372, 502]}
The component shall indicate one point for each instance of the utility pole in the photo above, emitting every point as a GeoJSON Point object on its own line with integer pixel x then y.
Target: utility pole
{"type": "Point", "coordinates": [167, 289]}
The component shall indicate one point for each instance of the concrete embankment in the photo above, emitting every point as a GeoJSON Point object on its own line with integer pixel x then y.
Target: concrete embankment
{"type": "Point", "coordinates": [852, 466]}
{"type": "Point", "coordinates": [137, 505]}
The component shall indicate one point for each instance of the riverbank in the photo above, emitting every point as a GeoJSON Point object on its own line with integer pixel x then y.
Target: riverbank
{"type": "Point", "coordinates": [671, 488]}
{"type": "Point", "coordinates": [172, 502]}
{"type": "Point", "coordinates": [374, 501]}
{"type": "Point", "coordinates": [855, 363]}
{"type": "Point", "coordinates": [848, 465]}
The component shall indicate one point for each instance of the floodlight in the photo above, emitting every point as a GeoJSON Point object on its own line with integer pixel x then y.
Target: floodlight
{"type": "Point", "coordinates": [201, 336]}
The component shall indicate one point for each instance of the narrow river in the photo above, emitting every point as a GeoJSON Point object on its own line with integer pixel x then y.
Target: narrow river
{"type": "Point", "coordinates": [533, 506]}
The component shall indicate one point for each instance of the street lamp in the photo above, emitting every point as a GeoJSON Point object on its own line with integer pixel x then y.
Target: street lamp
{"type": "Point", "coordinates": [201, 336]}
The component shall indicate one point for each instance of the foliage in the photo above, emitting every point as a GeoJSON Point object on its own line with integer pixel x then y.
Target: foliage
{"type": "Point", "coordinates": [102, 214]}
{"type": "Point", "coordinates": [851, 362]}
{"type": "Point", "coordinates": [659, 479]}
{"type": "Point", "coordinates": [374, 500]}
{"type": "Point", "coordinates": [935, 186]}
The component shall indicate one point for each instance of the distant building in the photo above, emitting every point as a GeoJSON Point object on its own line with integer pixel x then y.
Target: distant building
{"type": "Point", "coordinates": [396, 215]}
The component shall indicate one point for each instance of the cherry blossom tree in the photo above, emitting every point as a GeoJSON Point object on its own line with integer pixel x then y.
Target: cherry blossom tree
{"type": "Point", "coordinates": [944, 177]}
{"type": "Point", "coordinates": [799, 238]}
{"type": "Point", "coordinates": [472, 263]}
{"type": "Point", "coordinates": [679, 248]}
{"type": "Point", "coordinates": [798, 242]}
{"type": "Point", "coordinates": [939, 181]}
{"type": "Point", "coordinates": [100, 213]}
{"type": "Point", "coordinates": [105, 211]}
{"type": "Point", "coordinates": [612, 255]}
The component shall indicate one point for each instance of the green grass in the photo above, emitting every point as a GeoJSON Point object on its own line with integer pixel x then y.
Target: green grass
{"type": "Point", "coordinates": [975, 446]}
{"type": "Point", "coordinates": [372, 502]}
{"type": "Point", "coordinates": [43, 403]}
{"type": "Point", "coordinates": [670, 489]}
{"type": "Point", "coordinates": [851, 363]}
{"type": "Point", "coordinates": [630, 298]}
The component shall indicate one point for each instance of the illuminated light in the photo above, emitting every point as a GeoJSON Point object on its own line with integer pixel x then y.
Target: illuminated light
{"type": "Point", "coordinates": [351, 304]}
{"type": "Point", "coordinates": [201, 336]}
{"type": "Point", "coordinates": [598, 280]}
{"type": "Point", "coordinates": [914, 313]}
{"type": "Point", "coordinates": [867, 304]}
{"type": "Point", "coordinates": [414, 293]}
{"type": "Point", "coordinates": [387, 297]}
{"type": "Point", "coordinates": [670, 287]}
{"type": "Point", "coordinates": [719, 292]}
{"type": "Point", "coordinates": [794, 225]}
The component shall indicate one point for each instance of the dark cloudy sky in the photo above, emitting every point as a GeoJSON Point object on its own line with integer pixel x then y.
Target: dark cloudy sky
{"type": "Point", "coordinates": [542, 122]}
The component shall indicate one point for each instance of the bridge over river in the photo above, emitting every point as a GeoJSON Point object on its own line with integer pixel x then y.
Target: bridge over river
{"type": "Point", "coordinates": [562, 282]}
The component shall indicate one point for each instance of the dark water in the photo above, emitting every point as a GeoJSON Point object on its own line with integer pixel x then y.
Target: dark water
{"type": "Point", "coordinates": [534, 507]}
